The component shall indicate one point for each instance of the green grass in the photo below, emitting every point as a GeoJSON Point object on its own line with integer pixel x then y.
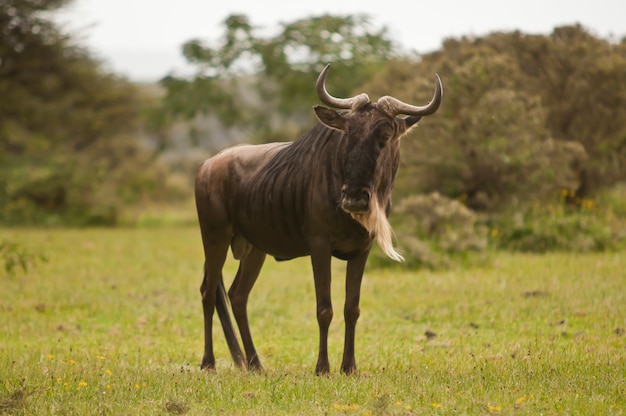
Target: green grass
{"type": "Point", "coordinates": [111, 324]}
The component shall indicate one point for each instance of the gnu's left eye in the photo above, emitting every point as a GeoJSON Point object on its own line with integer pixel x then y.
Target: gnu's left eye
{"type": "Point", "coordinates": [383, 137]}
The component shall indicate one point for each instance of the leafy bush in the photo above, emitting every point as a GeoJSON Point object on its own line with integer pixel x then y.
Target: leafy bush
{"type": "Point", "coordinates": [79, 190]}
{"type": "Point", "coordinates": [578, 225]}
{"type": "Point", "coordinates": [434, 231]}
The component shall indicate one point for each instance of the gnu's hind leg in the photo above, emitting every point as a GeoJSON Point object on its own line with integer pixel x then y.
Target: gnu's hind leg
{"type": "Point", "coordinates": [247, 274]}
{"type": "Point", "coordinates": [215, 256]}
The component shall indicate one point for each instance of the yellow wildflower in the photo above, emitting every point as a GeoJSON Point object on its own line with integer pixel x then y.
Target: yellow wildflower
{"type": "Point", "coordinates": [434, 404]}
{"type": "Point", "coordinates": [587, 204]}
{"type": "Point", "coordinates": [337, 406]}
{"type": "Point", "coordinates": [523, 398]}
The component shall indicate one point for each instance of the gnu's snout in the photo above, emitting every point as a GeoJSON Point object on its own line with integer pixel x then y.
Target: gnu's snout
{"type": "Point", "coordinates": [355, 199]}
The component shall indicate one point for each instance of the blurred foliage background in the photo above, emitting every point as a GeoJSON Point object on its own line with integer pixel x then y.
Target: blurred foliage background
{"type": "Point", "coordinates": [528, 151]}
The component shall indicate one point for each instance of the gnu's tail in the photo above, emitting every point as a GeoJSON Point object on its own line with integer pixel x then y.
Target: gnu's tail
{"type": "Point", "coordinates": [221, 305]}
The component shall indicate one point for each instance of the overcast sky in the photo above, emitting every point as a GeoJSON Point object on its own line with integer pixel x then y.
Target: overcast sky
{"type": "Point", "coordinates": [141, 39]}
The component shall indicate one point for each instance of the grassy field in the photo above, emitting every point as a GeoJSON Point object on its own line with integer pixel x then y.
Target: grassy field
{"type": "Point", "coordinates": [111, 324]}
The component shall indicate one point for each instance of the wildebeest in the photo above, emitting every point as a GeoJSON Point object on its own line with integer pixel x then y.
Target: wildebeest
{"type": "Point", "coordinates": [326, 194]}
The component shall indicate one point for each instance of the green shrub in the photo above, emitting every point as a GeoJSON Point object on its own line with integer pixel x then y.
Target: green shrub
{"type": "Point", "coordinates": [436, 232]}
{"type": "Point", "coordinates": [81, 191]}
{"type": "Point", "coordinates": [581, 226]}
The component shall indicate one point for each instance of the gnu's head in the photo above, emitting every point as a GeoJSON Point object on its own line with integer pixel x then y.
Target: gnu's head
{"type": "Point", "coordinates": [372, 130]}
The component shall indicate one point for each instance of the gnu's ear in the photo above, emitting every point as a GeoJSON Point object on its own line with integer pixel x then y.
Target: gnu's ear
{"type": "Point", "coordinates": [329, 117]}
{"type": "Point", "coordinates": [411, 121]}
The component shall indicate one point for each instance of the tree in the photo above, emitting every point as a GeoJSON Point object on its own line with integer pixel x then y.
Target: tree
{"type": "Point", "coordinates": [265, 84]}
{"type": "Point", "coordinates": [69, 143]}
{"type": "Point", "coordinates": [523, 117]}
{"type": "Point", "coordinates": [582, 82]}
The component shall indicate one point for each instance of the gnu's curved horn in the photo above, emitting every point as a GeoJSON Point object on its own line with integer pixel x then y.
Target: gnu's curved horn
{"type": "Point", "coordinates": [394, 107]}
{"type": "Point", "coordinates": [345, 103]}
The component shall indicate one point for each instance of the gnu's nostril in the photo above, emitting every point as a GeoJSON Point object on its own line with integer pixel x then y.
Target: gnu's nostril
{"type": "Point", "coordinates": [356, 196]}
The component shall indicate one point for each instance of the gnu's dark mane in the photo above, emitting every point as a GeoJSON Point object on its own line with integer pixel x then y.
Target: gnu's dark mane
{"type": "Point", "coordinates": [287, 178]}
{"type": "Point", "coordinates": [319, 148]}
{"type": "Point", "coordinates": [317, 143]}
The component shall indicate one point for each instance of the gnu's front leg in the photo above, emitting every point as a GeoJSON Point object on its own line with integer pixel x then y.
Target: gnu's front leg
{"type": "Point", "coordinates": [351, 310]}
{"type": "Point", "coordinates": [320, 259]}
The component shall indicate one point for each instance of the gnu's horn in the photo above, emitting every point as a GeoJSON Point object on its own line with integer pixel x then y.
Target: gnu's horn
{"type": "Point", "coordinates": [394, 107]}
{"type": "Point", "coordinates": [344, 103]}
